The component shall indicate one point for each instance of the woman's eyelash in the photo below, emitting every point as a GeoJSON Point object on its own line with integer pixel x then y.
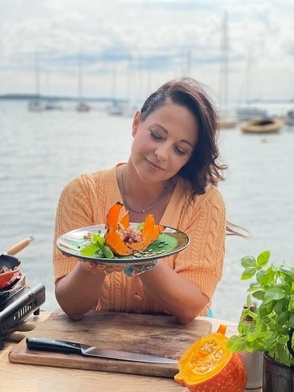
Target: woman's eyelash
{"type": "Point", "coordinates": [179, 151]}
{"type": "Point", "coordinates": [155, 136]}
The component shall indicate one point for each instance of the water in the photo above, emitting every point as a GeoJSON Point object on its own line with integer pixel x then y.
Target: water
{"type": "Point", "coordinates": [41, 152]}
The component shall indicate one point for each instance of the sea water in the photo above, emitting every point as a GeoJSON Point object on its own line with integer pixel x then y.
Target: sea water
{"type": "Point", "coordinates": [41, 152]}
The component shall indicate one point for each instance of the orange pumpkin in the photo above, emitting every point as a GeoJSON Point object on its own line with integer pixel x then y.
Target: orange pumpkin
{"type": "Point", "coordinates": [208, 365]}
{"type": "Point", "coordinates": [122, 239]}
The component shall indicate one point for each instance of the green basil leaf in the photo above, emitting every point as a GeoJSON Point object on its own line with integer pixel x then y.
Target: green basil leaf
{"type": "Point", "coordinates": [259, 295]}
{"type": "Point", "coordinates": [89, 250]}
{"type": "Point", "coordinates": [278, 308]}
{"type": "Point", "coordinates": [291, 304]}
{"type": "Point", "coordinates": [282, 318]}
{"type": "Point", "coordinates": [291, 320]}
{"type": "Point", "coordinates": [265, 277]}
{"type": "Point", "coordinates": [108, 252]}
{"type": "Point", "coordinates": [265, 308]}
{"type": "Point", "coordinates": [248, 261]}
{"type": "Point", "coordinates": [98, 240]}
{"type": "Point", "coordinates": [275, 293]}
{"type": "Point", "coordinates": [248, 273]}
{"type": "Point", "coordinates": [236, 343]}
{"type": "Point", "coordinates": [263, 258]}
{"type": "Point", "coordinates": [287, 271]}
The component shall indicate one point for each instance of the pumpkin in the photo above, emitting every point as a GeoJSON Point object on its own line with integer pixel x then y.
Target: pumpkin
{"type": "Point", "coordinates": [209, 365]}
{"type": "Point", "coordinates": [124, 240]}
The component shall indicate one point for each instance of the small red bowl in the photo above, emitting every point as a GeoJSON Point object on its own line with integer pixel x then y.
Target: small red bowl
{"type": "Point", "coordinates": [8, 277]}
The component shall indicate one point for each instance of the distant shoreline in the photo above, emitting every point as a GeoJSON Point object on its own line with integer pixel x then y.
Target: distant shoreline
{"type": "Point", "coordinates": [28, 97]}
{"type": "Point", "coordinates": [22, 97]}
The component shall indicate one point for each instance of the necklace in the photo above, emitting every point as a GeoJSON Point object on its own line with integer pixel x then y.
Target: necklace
{"type": "Point", "coordinates": [126, 202]}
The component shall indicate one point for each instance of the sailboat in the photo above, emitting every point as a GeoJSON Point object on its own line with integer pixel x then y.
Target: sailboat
{"type": "Point", "coordinates": [82, 106]}
{"type": "Point", "coordinates": [249, 112]}
{"type": "Point", "coordinates": [122, 107]}
{"type": "Point", "coordinates": [225, 121]}
{"type": "Point", "coordinates": [52, 104]}
{"type": "Point", "coordinates": [36, 105]}
{"type": "Point", "coordinates": [289, 118]}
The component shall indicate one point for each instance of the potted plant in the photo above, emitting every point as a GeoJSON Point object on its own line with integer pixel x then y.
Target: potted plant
{"type": "Point", "coordinates": [269, 327]}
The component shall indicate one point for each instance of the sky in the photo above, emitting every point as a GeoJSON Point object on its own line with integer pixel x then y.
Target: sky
{"type": "Point", "coordinates": [127, 48]}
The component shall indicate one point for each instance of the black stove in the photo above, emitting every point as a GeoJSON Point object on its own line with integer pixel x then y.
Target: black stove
{"type": "Point", "coordinates": [17, 302]}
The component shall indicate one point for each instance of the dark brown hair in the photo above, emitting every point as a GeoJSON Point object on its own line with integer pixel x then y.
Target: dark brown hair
{"type": "Point", "coordinates": [202, 168]}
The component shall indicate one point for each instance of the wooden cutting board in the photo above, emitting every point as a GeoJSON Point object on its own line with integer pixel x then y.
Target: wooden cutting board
{"type": "Point", "coordinates": [145, 334]}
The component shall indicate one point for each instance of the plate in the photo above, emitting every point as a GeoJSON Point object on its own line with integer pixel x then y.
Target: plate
{"type": "Point", "coordinates": [170, 241]}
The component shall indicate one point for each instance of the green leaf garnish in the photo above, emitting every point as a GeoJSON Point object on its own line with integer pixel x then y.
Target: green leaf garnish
{"type": "Point", "coordinates": [97, 248]}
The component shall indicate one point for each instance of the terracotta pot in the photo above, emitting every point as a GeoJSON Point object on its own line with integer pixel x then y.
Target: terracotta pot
{"type": "Point", "coordinates": [276, 376]}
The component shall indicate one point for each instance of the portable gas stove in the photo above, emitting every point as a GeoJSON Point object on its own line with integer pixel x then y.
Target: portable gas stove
{"type": "Point", "coordinates": [17, 302]}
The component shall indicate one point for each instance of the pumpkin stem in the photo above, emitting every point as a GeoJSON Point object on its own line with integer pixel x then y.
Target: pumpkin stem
{"type": "Point", "coordinates": [222, 329]}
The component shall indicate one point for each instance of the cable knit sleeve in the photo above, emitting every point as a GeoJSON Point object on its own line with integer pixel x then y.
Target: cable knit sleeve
{"type": "Point", "coordinates": [205, 224]}
{"type": "Point", "coordinates": [83, 202]}
{"type": "Point", "coordinates": [74, 211]}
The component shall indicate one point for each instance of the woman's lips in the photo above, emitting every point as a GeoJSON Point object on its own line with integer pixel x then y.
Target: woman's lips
{"type": "Point", "coordinates": [153, 165]}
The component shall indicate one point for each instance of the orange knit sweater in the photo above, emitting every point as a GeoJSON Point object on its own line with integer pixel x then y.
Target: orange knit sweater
{"type": "Point", "coordinates": [85, 201]}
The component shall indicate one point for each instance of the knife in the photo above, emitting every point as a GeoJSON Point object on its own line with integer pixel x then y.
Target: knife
{"type": "Point", "coordinates": [65, 347]}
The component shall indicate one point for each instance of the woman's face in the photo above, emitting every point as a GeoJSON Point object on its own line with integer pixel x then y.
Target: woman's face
{"type": "Point", "coordinates": [164, 142]}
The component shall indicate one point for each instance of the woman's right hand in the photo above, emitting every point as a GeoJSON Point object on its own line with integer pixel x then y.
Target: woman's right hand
{"type": "Point", "coordinates": [80, 290]}
{"type": "Point", "coordinates": [96, 268]}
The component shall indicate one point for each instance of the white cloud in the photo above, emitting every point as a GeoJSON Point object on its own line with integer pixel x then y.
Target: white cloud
{"type": "Point", "coordinates": [167, 38]}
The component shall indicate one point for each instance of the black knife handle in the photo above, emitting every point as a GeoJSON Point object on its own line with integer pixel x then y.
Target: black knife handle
{"type": "Point", "coordinates": [58, 346]}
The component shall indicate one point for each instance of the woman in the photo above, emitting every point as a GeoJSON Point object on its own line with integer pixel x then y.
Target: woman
{"type": "Point", "coordinates": [172, 172]}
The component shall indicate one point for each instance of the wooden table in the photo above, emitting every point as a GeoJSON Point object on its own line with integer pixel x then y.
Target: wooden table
{"type": "Point", "coordinates": [31, 378]}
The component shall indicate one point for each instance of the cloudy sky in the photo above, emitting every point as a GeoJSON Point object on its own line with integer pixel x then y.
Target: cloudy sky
{"type": "Point", "coordinates": [126, 48]}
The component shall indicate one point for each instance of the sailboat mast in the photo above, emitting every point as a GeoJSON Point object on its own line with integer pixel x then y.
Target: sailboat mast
{"type": "Point", "coordinates": [224, 68]}
{"type": "Point", "coordinates": [37, 76]}
{"type": "Point", "coordinates": [80, 78]}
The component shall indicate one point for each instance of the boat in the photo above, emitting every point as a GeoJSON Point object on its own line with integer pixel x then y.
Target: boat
{"type": "Point", "coordinates": [83, 107]}
{"type": "Point", "coordinates": [125, 109]}
{"type": "Point", "coordinates": [268, 125]}
{"type": "Point", "coordinates": [115, 109]}
{"type": "Point", "coordinates": [249, 110]}
{"type": "Point", "coordinates": [52, 104]}
{"type": "Point", "coordinates": [35, 105]}
{"type": "Point", "coordinates": [249, 113]}
{"type": "Point", "coordinates": [289, 118]}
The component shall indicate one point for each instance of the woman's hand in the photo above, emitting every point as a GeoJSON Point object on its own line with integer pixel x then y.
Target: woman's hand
{"type": "Point", "coordinates": [96, 268]}
{"type": "Point", "coordinates": [80, 290]}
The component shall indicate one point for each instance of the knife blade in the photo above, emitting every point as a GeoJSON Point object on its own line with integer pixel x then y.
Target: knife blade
{"type": "Point", "coordinates": [65, 347]}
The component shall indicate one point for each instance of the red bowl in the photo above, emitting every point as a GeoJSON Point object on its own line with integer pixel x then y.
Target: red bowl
{"type": "Point", "coordinates": [8, 277]}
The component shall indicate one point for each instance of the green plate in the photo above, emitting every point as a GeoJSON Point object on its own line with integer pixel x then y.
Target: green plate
{"type": "Point", "coordinates": [170, 241]}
